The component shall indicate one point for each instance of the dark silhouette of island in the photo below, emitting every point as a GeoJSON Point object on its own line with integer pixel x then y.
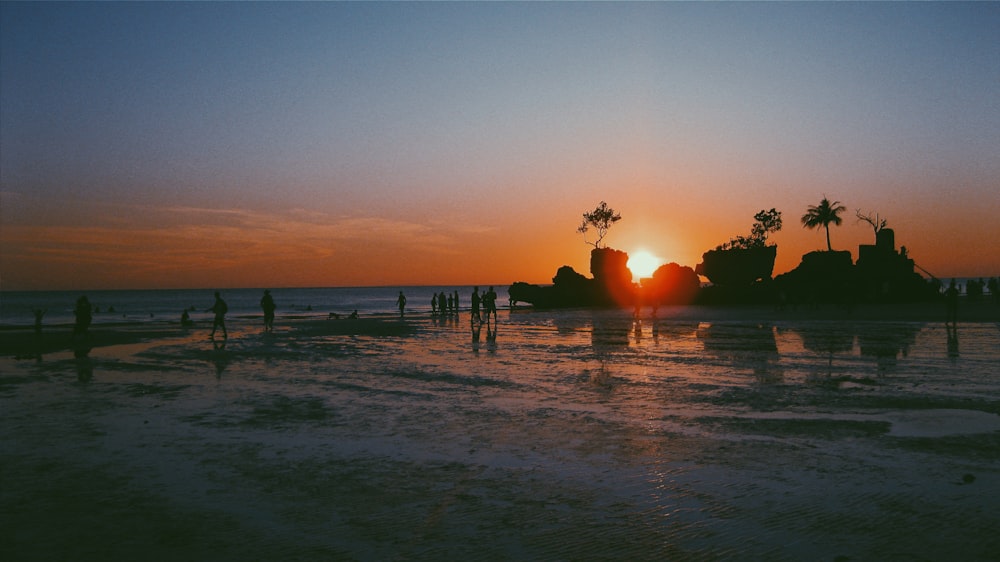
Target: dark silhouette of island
{"type": "Point", "coordinates": [740, 272]}
{"type": "Point", "coordinates": [611, 285]}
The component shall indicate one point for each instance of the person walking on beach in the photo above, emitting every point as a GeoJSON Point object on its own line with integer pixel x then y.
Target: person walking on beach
{"type": "Point", "coordinates": [84, 316]}
{"type": "Point", "coordinates": [267, 304]}
{"type": "Point", "coordinates": [220, 309]}
{"type": "Point", "coordinates": [401, 303]}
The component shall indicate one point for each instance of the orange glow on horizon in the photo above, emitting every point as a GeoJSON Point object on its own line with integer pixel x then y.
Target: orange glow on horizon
{"type": "Point", "coordinates": [164, 247]}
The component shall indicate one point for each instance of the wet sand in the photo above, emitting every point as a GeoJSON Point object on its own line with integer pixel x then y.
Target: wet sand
{"type": "Point", "coordinates": [22, 341]}
{"type": "Point", "coordinates": [700, 435]}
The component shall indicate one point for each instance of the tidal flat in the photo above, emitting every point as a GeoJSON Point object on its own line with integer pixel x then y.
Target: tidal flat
{"type": "Point", "coordinates": [576, 434]}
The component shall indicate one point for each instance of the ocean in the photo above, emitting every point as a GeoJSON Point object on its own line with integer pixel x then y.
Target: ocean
{"type": "Point", "coordinates": [166, 305]}
{"type": "Point", "coordinates": [137, 306]}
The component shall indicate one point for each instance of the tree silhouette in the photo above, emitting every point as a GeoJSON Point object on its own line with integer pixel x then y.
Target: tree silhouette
{"type": "Point", "coordinates": [765, 222]}
{"type": "Point", "coordinates": [601, 219]}
{"type": "Point", "coordinates": [877, 223]}
{"type": "Point", "coordinates": [822, 215]}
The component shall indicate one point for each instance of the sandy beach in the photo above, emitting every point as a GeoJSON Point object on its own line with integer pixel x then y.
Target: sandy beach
{"type": "Point", "coordinates": [702, 434]}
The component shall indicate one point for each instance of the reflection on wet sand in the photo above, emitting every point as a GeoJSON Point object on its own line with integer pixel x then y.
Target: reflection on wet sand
{"type": "Point", "coordinates": [745, 346]}
{"type": "Point", "coordinates": [220, 358]}
{"type": "Point", "coordinates": [887, 341]}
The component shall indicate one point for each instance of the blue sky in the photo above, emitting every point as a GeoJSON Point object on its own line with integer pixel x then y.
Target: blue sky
{"type": "Point", "coordinates": [493, 123]}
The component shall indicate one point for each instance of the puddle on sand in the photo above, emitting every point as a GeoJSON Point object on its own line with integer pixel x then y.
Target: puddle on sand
{"type": "Point", "coordinates": [940, 423]}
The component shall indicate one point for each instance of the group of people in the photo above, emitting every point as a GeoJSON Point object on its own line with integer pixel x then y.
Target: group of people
{"type": "Point", "coordinates": [441, 304]}
{"type": "Point", "coordinates": [447, 304]}
{"type": "Point", "coordinates": [488, 301]}
{"type": "Point", "coordinates": [444, 304]}
{"type": "Point", "coordinates": [974, 288]}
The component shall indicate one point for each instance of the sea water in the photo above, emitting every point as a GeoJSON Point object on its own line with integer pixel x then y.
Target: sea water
{"type": "Point", "coordinates": [16, 307]}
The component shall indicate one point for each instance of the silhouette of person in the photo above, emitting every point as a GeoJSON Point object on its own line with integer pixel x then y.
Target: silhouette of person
{"type": "Point", "coordinates": [83, 316]}
{"type": "Point", "coordinates": [490, 304]}
{"type": "Point", "coordinates": [442, 303]}
{"type": "Point", "coordinates": [434, 304]}
{"type": "Point", "coordinates": [220, 309]}
{"type": "Point", "coordinates": [39, 313]}
{"type": "Point", "coordinates": [353, 315]}
{"type": "Point", "coordinates": [951, 299]}
{"type": "Point", "coordinates": [186, 319]}
{"type": "Point", "coordinates": [401, 303]}
{"type": "Point", "coordinates": [476, 300]}
{"type": "Point", "coordinates": [451, 303]}
{"type": "Point", "coordinates": [456, 303]}
{"type": "Point", "coordinates": [267, 304]}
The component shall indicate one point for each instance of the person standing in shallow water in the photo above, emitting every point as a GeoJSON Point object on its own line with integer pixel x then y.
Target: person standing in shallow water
{"type": "Point", "coordinates": [475, 305]}
{"type": "Point", "coordinates": [267, 304]}
{"type": "Point", "coordinates": [490, 304]}
{"type": "Point", "coordinates": [84, 316]}
{"type": "Point", "coordinates": [401, 303]}
{"type": "Point", "coordinates": [220, 309]}
{"type": "Point", "coordinates": [951, 299]}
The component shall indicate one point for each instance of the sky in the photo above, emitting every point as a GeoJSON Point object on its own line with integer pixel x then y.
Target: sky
{"type": "Point", "coordinates": [193, 145]}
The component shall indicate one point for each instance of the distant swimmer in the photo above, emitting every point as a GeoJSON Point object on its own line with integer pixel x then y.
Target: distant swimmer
{"type": "Point", "coordinates": [220, 309]}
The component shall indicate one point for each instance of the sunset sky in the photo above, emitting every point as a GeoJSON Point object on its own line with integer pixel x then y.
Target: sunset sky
{"type": "Point", "coordinates": [352, 144]}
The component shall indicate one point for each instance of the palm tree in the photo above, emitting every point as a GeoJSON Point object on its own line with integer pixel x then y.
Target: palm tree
{"type": "Point", "coordinates": [822, 215]}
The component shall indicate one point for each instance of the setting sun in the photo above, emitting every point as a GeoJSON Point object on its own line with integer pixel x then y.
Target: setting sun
{"type": "Point", "coordinates": [643, 264]}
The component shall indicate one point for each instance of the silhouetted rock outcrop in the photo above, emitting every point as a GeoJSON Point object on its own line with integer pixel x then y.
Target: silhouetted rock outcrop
{"type": "Point", "coordinates": [612, 277]}
{"type": "Point", "coordinates": [671, 284]}
{"type": "Point", "coordinates": [612, 284]}
{"type": "Point", "coordinates": [738, 266]}
{"type": "Point", "coordinates": [882, 274]}
{"type": "Point", "coordinates": [886, 275]}
{"type": "Point", "coordinates": [822, 276]}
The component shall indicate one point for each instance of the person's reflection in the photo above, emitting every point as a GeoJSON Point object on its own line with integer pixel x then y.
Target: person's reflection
{"type": "Point", "coordinates": [491, 338]}
{"type": "Point", "coordinates": [84, 366]}
{"type": "Point", "coordinates": [637, 325]}
{"type": "Point", "coordinates": [220, 358]}
{"type": "Point", "coordinates": [477, 330]}
{"type": "Point", "coordinates": [952, 340]}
